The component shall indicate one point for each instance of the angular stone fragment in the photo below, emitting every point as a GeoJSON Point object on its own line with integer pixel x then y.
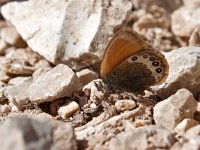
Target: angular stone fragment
{"type": "Point", "coordinates": [68, 36]}
{"type": "Point", "coordinates": [68, 110]}
{"type": "Point", "coordinates": [185, 125]}
{"type": "Point", "coordinates": [123, 105]}
{"type": "Point", "coordinates": [170, 112]}
{"type": "Point", "coordinates": [185, 20]}
{"type": "Point", "coordinates": [18, 94]}
{"type": "Point", "coordinates": [10, 35]}
{"type": "Point", "coordinates": [26, 134]}
{"type": "Point", "coordinates": [184, 72]}
{"type": "Point", "coordinates": [39, 72]}
{"type": "Point", "coordinates": [18, 67]}
{"type": "Point", "coordinates": [86, 75]}
{"type": "Point", "coordinates": [59, 82]}
{"type": "Point", "coordinates": [143, 138]}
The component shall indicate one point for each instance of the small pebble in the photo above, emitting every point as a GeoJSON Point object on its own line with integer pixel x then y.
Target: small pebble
{"type": "Point", "coordinates": [68, 110]}
{"type": "Point", "coordinates": [123, 105]}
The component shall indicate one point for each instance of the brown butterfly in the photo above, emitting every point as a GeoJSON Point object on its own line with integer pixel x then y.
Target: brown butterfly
{"type": "Point", "coordinates": [130, 64]}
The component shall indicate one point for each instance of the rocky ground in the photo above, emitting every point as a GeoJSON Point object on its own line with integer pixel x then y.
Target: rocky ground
{"type": "Point", "coordinates": [50, 52]}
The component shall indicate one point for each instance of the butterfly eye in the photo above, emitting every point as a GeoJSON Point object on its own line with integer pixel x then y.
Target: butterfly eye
{"type": "Point", "coordinates": [155, 63]}
{"type": "Point", "coordinates": [145, 56]}
{"type": "Point", "coordinates": [134, 58]}
{"type": "Point", "coordinates": [152, 58]}
{"type": "Point", "coordinates": [158, 70]}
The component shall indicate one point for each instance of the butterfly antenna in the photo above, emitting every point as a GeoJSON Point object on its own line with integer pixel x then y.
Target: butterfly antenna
{"type": "Point", "coordinates": [88, 66]}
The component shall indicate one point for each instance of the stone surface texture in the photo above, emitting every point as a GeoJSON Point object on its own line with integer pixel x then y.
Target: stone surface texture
{"type": "Point", "coordinates": [184, 72]}
{"type": "Point", "coordinates": [59, 82]}
{"type": "Point", "coordinates": [69, 35]}
{"type": "Point", "coordinates": [170, 112]}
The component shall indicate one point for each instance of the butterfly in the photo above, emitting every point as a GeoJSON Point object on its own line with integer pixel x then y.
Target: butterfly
{"type": "Point", "coordinates": [131, 64]}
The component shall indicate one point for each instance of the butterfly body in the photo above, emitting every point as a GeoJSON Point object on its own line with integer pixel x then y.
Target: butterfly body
{"type": "Point", "coordinates": [130, 64]}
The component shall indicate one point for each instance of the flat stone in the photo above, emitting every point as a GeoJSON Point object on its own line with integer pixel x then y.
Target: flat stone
{"type": "Point", "coordinates": [76, 39]}
{"type": "Point", "coordinates": [170, 112]}
{"type": "Point", "coordinates": [68, 109]}
{"type": "Point", "coordinates": [59, 82]}
{"type": "Point", "coordinates": [125, 105]}
{"type": "Point", "coordinates": [26, 134]}
{"type": "Point", "coordinates": [187, 16]}
{"type": "Point", "coordinates": [143, 138]}
{"type": "Point", "coordinates": [18, 94]}
{"type": "Point", "coordinates": [185, 125]}
{"type": "Point", "coordinates": [12, 37]}
{"type": "Point", "coordinates": [184, 72]}
{"type": "Point", "coordinates": [86, 75]}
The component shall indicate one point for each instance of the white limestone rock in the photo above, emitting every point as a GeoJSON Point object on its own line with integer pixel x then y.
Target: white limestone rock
{"type": "Point", "coordinates": [74, 32]}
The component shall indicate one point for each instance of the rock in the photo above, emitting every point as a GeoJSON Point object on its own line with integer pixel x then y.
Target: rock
{"type": "Point", "coordinates": [26, 134]}
{"type": "Point", "coordinates": [148, 137]}
{"type": "Point", "coordinates": [192, 3]}
{"type": "Point", "coordinates": [5, 108]}
{"type": "Point", "coordinates": [18, 80]}
{"type": "Point", "coordinates": [2, 90]}
{"type": "Point", "coordinates": [3, 76]}
{"type": "Point", "coordinates": [185, 125]}
{"type": "Point", "coordinates": [18, 94]}
{"type": "Point", "coordinates": [169, 5]}
{"type": "Point", "coordinates": [64, 138]}
{"type": "Point", "coordinates": [91, 90]}
{"type": "Point", "coordinates": [106, 121]}
{"type": "Point", "coordinates": [39, 72]}
{"type": "Point", "coordinates": [123, 105]}
{"type": "Point", "coordinates": [86, 75]}
{"type": "Point", "coordinates": [193, 144]}
{"type": "Point", "coordinates": [170, 112]}
{"type": "Point", "coordinates": [195, 38]}
{"type": "Point", "coordinates": [14, 108]}
{"type": "Point", "coordinates": [17, 67]}
{"type": "Point", "coordinates": [189, 17]}
{"type": "Point", "coordinates": [68, 109]}
{"type": "Point", "coordinates": [77, 38]}
{"type": "Point", "coordinates": [184, 67]}
{"type": "Point", "coordinates": [3, 46]}
{"type": "Point", "coordinates": [10, 35]}
{"type": "Point", "coordinates": [193, 132]}
{"type": "Point", "coordinates": [59, 82]}
{"type": "Point", "coordinates": [42, 63]}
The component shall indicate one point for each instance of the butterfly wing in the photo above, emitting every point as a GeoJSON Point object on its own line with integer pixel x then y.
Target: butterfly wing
{"type": "Point", "coordinates": [129, 63]}
{"type": "Point", "coordinates": [123, 45]}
